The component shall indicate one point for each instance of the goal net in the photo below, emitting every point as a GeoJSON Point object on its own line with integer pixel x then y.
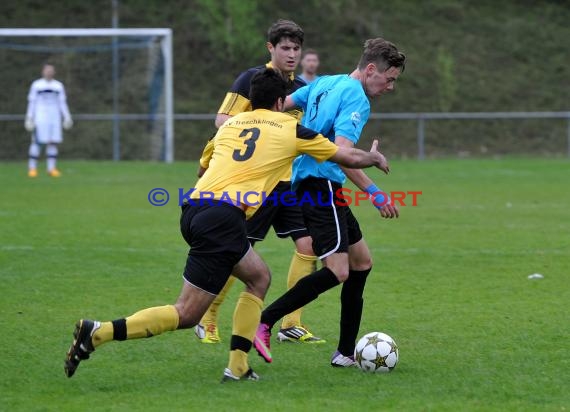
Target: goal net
{"type": "Point", "coordinates": [118, 84]}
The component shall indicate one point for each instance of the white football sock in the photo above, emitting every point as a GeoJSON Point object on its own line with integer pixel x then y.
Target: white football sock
{"type": "Point", "coordinates": [51, 154]}
{"type": "Point", "coordinates": [33, 155]}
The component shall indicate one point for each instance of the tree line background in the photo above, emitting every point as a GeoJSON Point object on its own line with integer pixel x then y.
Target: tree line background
{"type": "Point", "coordinates": [462, 56]}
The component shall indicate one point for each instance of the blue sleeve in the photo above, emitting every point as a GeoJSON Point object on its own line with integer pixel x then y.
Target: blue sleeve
{"type": "Point", "coordinates": [301, 96]}
{"type": "Point", "coordinates": [352, 116]}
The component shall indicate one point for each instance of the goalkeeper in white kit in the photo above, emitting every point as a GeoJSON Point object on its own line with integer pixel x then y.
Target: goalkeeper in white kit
{"type": "Point", "coordinates": [47, 106]}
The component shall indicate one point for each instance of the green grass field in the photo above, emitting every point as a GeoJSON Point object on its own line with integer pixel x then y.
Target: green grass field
{"type": "Point", "coordinates": [450, 285]}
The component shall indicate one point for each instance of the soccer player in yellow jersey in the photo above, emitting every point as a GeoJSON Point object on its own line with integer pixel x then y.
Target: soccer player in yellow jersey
{"type": "Point", "coordinates": [251, 153]}
{"type": "Point", "coordinates": [284, 42]}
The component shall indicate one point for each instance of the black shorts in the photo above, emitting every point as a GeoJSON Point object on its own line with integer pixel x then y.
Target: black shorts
{"type": "Point", "coordinates": [332, 227]}
{"type": "Point", "coordinates": [218, 240]}
{"type": "Point", "coordinates": [280, 211]}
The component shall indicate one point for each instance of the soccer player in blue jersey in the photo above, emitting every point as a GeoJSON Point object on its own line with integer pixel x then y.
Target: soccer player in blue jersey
{"type": "Point", "coordinates": [338, 107]}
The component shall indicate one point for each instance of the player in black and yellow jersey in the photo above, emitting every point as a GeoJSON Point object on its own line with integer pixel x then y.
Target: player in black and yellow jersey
{"type": "Point", "coordinates": [252, 151]}
{"type": "Point", "coordinates": [284, 42]}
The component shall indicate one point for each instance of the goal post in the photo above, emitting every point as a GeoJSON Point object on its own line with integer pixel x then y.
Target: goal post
{"type": "Point", "coordinates": [164, 36]}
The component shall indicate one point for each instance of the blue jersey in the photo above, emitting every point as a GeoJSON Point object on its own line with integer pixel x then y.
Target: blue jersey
{"type": "Point", "coordinates": [333, 106]}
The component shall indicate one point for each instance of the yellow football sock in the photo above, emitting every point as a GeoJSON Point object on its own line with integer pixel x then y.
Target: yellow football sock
{"type": "Point", "coordinates": [211, 315]}
{"type": "Point", "coordinates": [301, 266]}
{"type": "Point", "coordinates": [246, 319]}
{"type": "Point", "coordinates": [103, 335]}
{"type": "Point", "coordinates": [143, 324]}
{"type": "Point", "coordinates": [238, 362]}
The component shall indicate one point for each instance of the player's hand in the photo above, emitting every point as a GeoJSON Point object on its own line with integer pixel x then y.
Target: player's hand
{"type": "Point", "coordinates": [389, 211]}
{"type": "Point", "coordinates": [381, 162]}
{"type": "Point", "coordinates": [67, 123]}
{"type": "Point", "coordinates": [29, 124]}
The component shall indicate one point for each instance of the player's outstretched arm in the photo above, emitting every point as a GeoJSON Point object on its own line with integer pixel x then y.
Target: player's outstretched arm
{"type": "Point", "coordinates": [363, 182]}
{"type": "Point", "coordinates": [359, 159]}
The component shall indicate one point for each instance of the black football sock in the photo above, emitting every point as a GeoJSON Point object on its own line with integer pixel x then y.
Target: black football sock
{"type": "Point", "coordinates": [305, 290]}
{"type": "Point", "coordinates": [351, 310]}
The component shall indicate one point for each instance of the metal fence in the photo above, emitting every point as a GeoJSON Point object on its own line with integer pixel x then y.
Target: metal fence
{"type": "Point", "coordinates": [421, 118]}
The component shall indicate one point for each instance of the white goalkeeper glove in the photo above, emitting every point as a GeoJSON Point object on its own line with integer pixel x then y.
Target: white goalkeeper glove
{"type": "Point", "coordinates": [29, 124]}
{"type": "Point", "coordinates": [68, 123]}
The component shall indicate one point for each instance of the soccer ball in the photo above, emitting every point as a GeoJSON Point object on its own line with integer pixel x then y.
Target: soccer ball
{"type": "Point", "coordinates": [376, 352]}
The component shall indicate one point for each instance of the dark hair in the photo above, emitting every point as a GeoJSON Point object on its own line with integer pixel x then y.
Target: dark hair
{"type": "Point", "coordinates": [383, 54]}
{"type": "Point", "coordinates": [267, 86]}
{"type": "Point", "coordinates": [285, 29]}
{"type": "Point", "coordinates": [310, 51]}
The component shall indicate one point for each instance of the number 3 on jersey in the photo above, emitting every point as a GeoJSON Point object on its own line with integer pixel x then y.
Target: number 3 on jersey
{"type": "Point", "coordinates": [249, 143]}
